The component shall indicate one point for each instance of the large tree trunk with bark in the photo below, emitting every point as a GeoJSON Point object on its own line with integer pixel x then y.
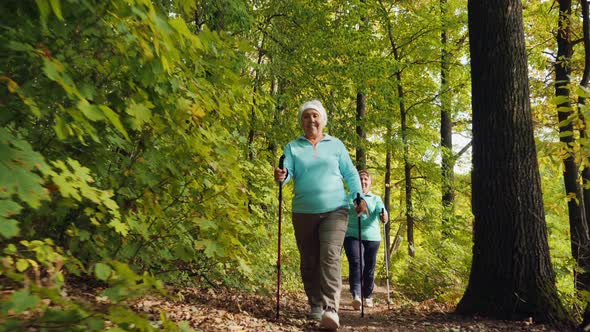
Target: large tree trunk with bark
{"type": "Point", "coordinates": [511, 272]}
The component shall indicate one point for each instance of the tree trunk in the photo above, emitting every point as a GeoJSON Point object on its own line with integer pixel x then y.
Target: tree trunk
{"type": "Point", "coordinates": [579, 237]}
{"type": "Point", "coordinates": [361, 107]}
{"type": "Point", "coordinates": [253, 120]}
{"type": "Point", "coordinates": [446, 131]}
{"type": "Point", "coordinates": [387, 196]}
{"type": "Point", "coordinates": [583, 279]}
{"type": "Point", "coordinates": [582, 102]}
{"type": "Point", "coordinates": [407, 167]}
{"type": "Point", "coordinates": [404, 130]}
{"type": "Point", "coordinates": [511, 272]}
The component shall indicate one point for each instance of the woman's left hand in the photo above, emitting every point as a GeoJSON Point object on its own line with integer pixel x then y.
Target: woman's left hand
{"type": "Point", "coordinates": [384, 217]}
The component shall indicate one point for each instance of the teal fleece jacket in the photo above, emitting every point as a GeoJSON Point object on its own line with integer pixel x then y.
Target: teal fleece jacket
{"type": "Point", "coordinates": [369, 223]}
{"type": "Point", "coordinates": [317, 173]}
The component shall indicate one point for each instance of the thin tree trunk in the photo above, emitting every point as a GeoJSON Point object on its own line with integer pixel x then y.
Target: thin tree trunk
{"type": "Point", "coordinates": [446, 131]}
{"type": "Point", "coordinates": [582, 102]}
{"type": "Point", "coordinates": [252, 131]}
{"type": "Point", "coordinates": [404, 130]}
{"type": "Point", "coordinates": [511, 272]}
{"type": "Point", "coordinates": [361, 107]}
{"type": "Point", "coordinates": [387, 196]}
{"type": "Point", "coordinates": [584, 278]}
{"type": "Point", "coordinates": [407, 167]}
{"type": "Point", "coordinates": [579, 237]}
{"type": "Point", "coordinates": [275, 91]}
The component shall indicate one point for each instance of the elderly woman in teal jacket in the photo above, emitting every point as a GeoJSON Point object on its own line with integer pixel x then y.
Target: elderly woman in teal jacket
{"type": "Point", "coordinates": [371, 238]}
{"type": "Point", "coordinates": [318, 163]}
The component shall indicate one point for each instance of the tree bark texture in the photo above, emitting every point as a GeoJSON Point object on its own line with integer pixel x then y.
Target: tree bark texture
{"type": "Point", "coordinates": [578, 226]}
{"type": "Point", "coordinates": [361, 108]}
{"type": "Point", "coordinates": [404, 131]}
{"type": "Point", "coordinates": [584, 279]}
{"type": "Point", "coordinates": [511, 272]}
{"type": "Point", "coordinates": [582, 102]}
{"type": "Point", "coordinates": [407, 167]}
{"type": "Point", "coordinates": [387, 196]}
{"type": "Point", "coordinates": [446, 130]}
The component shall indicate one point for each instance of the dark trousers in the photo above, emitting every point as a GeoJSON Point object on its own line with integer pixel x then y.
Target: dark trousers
{"type": "Point", "coordinates": [369, 251]}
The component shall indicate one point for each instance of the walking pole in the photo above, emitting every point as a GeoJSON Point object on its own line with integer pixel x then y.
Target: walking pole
{"type": "Point", "coordinates": [386, 259]}
{"type": "Point", "coordinates": [281, 161]}
{"type": "Point", "coordinates": [358, 203]}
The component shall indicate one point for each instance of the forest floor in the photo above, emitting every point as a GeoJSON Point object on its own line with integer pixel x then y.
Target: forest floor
{"type": "Point", "coordinates": [225, 310]}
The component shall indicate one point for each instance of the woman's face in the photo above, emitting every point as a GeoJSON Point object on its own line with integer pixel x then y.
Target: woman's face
{"type": "Point", "coordinates": [365, 182]}
{"type": "Point", "coordinates": [312, 123]}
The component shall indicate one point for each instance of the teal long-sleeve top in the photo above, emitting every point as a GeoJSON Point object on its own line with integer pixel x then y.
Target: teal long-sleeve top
{"type": "Point", "coordinates": [369, 223]}
{"type": "Point", "coordinates": [318, 173]}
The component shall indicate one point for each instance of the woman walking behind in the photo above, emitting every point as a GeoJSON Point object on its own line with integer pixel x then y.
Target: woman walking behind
{"type": "Point", "coordinates": [318, 163]}
{"type": "Point", "coordinates": [371, 238]}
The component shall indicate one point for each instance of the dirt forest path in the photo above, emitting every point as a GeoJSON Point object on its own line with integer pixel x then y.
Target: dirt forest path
{"type": "Point", "coordinates": [231, 310]}
{"type": "Point", "coordinates": [428, 316]}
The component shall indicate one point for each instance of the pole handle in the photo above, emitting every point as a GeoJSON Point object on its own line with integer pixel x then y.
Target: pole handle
{"type": "Point", "coordinates": [282, 162]}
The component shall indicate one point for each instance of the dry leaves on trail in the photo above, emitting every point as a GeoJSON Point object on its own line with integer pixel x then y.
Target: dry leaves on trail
{"type": "Point", "coordinates": [221, 310]}
{"type": "Point", "coordinates": [231, 310]}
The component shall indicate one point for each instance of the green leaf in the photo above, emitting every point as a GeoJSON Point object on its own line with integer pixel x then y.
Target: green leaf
{"type": "Point", "coordinates": [92, 112]}
{"type": "Point", "coordinates": [95, 324]}
{"type": "Point", "coordinates": [9, 228]}
{"type": "Point", "coordinates": [16, 46]}
{"type": "Point", "coordinates": [84, 235]}
{"type": "Point", "coordinates": [180, 25]}
{"type": "Point", "coordinates": [22, 264]}
{"type": "Point", "coordinates": [125, 272]}
{"type": "Point", "coordinates": [61, 128]}
{"type": "Point", "coordinates": [119, 227]}
{"type": "Point", "coordinates": [141, 112]}
{"type": "Point", "coordinates": [22, 300]}
{"type": "Point", "coordinates": [43, 11]}
{"type": "Point", "coordinates": [18, 163]}
{"type": "Point", "coordinates": [211, 248]}
{"type": "Point", "coordinates": [56, 6]}
{"type": "Point", "coordinates": [582, 91]}
{"type": "Point", "coordinates": [9, 208]}
{"type": "Point", "coordinates": [102, 271]}
{"type": "Point", "coordinates": [558, 100]}
{"type": "Point", "coordinates": [52, 69]}
{"type": "Point", "coordinates": [114, 119]}
{"type": "Point", "coordinates": [10, 249]}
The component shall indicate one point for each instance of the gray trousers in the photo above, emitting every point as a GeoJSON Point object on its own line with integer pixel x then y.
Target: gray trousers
{"type": "Point", "coordinates": [320, 238]}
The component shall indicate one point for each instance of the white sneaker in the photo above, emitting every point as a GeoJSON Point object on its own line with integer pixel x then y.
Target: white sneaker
{"type": "Point", "coordinates": [316, 313]}
{"type": "Point", "coordinates": [369, 302]}
{"type": "Point", "coordinates": [356, 302]}
{"type": "Point", "coordinates": [330, 319]}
